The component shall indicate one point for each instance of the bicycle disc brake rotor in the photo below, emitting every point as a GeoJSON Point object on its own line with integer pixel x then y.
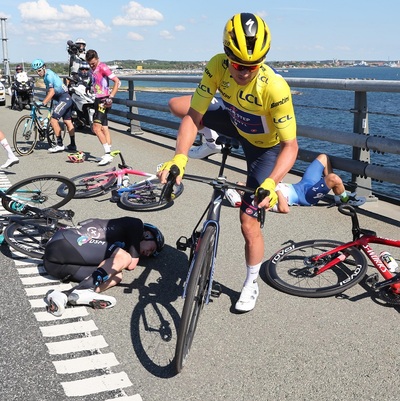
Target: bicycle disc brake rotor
{"type": "Point", "coordinates": [39, 198]}
{"type": "Point", "coordinates": [387, 295]}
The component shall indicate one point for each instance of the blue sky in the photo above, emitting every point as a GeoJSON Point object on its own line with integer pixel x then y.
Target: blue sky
{"type": "Point", "coordinates": [192, 30]}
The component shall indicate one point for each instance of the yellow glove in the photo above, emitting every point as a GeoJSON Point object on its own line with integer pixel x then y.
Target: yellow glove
{"type": "Point", "coordinates": [269, 185]}
{"type": "Point", "coordinates": [179, 160]}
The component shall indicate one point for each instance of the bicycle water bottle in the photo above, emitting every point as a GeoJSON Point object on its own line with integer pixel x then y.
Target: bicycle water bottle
{"type": "Point", "coordinates": [45, 122]}
{"type": "Point", "coordinates": [389, 261]}
{"type": "Point", "coordinates": [17, 206]}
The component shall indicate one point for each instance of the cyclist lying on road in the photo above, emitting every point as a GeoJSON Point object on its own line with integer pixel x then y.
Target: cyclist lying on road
{"type": "Point", "coordinates": [317, 181]}
{"type": "Point", "coordinates": [94, 254]}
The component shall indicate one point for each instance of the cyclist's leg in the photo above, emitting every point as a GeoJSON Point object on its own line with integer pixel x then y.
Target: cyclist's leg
{"type": "Point", "coordinates": [260, 163]}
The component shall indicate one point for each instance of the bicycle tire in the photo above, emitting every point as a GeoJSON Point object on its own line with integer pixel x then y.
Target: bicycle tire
{"type": "Point", "coordinates": [287, 272]}
{"type": "Point", "coordinates": [40, 192]}
{"type": "Point", "coordinates": [25, 136]}
{"type": "Point", "coordinates": [148, 195]}
{"type": "Point", "coordinates": [30, 236]}
{"type": "Point", "coordinates": [90, 184]}
{"type": "Point", "coordinates": [196, 292]}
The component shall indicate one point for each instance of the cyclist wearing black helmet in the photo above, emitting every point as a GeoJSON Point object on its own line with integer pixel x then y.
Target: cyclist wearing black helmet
{"type": "Point", "coordinates": [94, 254]}
{"type": "Point", "coordinates": [255, 106]}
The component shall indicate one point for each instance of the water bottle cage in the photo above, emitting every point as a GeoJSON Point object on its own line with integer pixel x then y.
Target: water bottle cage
{"type": "Point", "coordinates": [99, 276]}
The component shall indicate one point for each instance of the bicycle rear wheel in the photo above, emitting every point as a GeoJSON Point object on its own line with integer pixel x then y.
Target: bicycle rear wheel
{"type": "Point", "coordinates": [147, 195]}
{"type": "Point", "coordinates": [40, 191]}
{"type": "Point", "coordinates": [25, 135]}
{"type": "Point", "coordinates": [292, 270]}
{"type": "Point", "coordinates": [51, 138]}
{"type": "Point", "coordinates": [91, 184]}
{"type": "Point", "coordinates": [30, 236]}
{"type": "Point", "coordinates": [196, 293]}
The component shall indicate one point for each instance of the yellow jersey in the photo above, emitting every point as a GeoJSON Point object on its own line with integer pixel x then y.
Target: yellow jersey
{"type": "Point", "coordinates": [262, 111]}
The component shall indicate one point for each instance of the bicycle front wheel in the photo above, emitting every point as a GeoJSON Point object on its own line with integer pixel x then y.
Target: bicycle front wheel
{"type": "Point", "coordinates": [147, 195]}
{"type": "Point", "coordinates": [40, 192]}
{"type": "Point", "coordinates": [91, 184]}
{"type": "Point", "coordinates": [25, 135]}
{"type": "Point", "coordinates": [30, 236]}
{"type": "Point", "coordinates": [293, 271]}
{"type": "Point", "coordinates": [196, 293]}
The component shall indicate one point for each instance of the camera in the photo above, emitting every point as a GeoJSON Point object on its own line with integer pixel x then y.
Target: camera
{"type": "Point", "coordinates": [72, 48]}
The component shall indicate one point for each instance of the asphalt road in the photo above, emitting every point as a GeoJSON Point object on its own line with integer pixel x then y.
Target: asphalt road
{"type": "Point", "coordinates": [293, 348]}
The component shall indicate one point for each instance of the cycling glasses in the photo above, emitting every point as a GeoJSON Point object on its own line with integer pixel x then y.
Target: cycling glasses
{"type": "Point", "coordinates": [41, 69]}
{"type": "Point", "coordinates": [240, 67]}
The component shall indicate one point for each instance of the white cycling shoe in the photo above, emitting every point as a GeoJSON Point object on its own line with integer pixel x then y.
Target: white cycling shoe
{"type": "Point", "coordinates": [56, 302]}
{"type": "Point", "coordinates": [89, 297]}
{"type": "Point", "coordinates": [204, 150]}
{"type": "Point", "coordinates": [248, 298]}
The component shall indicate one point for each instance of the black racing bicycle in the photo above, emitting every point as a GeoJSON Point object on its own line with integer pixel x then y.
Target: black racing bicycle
{"type": "Point", "coordinates": [33, 204]}
{"type": "Point", "coordinates": [203, 245]}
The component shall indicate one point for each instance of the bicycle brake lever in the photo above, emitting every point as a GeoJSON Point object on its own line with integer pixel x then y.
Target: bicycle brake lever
{"type": "Point", "coordinates": [261, 194]}
{"type": "Point", "coordinates": [169, 186]}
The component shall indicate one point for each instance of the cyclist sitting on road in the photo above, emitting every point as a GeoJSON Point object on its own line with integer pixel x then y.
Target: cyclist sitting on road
{"type": "Point", "coordinates": [57, 91]}
{"type": "Point", "coordinates": [94, 254]}
{"type": "Point", "coordinates": [317, 181]}
{"type": "Point", "coordinates": [256, 108]}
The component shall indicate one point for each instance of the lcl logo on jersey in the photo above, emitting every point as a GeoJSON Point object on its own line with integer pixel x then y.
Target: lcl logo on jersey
{"type": "Point", "coordinates": [283, 119]}
{"type": "Point", "coordinates": [203, 90]}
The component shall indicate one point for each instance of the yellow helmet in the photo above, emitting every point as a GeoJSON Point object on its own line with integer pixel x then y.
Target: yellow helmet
{"type": "Point", "coordinates": [246, 39]}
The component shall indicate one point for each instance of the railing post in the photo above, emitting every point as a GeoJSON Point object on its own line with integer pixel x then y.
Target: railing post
{"type": "Point", "coordinates": [136, 129]}
{"type": "Point", "coordinates": [360, 126]}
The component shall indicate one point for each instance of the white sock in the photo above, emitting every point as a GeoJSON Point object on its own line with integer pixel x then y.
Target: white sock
{"type": "Point", "coordinates": [210, 136]}
{"type": "Point", "coordinates": [252, 274]}
{"type": "Point", "coordinates": [7, 148]}
{"type": "Point", "coordinates": [107, 148]}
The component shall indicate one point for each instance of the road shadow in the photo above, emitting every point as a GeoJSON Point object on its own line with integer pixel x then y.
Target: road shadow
{"type": "Point", "coordinates": [155, 320]}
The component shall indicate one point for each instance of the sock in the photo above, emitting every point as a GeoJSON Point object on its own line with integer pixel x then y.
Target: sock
{"type": "Point", "coordinates": [7, 148]}
{"type": "Point", "coordinates": [344, 197]}
{"type": "Point", "coordinates": [252, 274]}
{"type": "Point", "coordinates": [107, 148]}
{"type": "Point", "coordinates": [72, 139]}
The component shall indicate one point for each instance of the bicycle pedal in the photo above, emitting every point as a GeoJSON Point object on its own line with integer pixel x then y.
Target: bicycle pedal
{"type": "Point", "coordinates": [182, 243]}
{"type": "Point", "coordinates": [216, 290]}
{"type": "Point", "coordinates": [372, 280]}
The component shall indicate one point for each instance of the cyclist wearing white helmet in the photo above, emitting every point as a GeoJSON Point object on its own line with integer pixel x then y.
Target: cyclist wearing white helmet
{"type": "Point", "coordinates": [94, 254]}
{"type": "Point", "coordinates": [255, 106]}
{"type": "Point", "coordinates": [56, 91]}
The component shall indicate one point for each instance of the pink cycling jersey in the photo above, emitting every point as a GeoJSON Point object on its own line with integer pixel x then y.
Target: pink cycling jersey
{"type": "Point", "coordinates": [101, 76]}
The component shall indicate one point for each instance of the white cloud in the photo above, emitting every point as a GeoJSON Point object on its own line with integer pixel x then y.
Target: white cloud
{"type": "Point", "coordinates": [166, 35]}
{"type": "Point", "coordinates": [137, 15]}
{"type": "Point", "coordinates": [180, 28]}
{"type": "Point", "coordinates": [135, 36]}
{"type": "Point", "coordinates": [39, 16]}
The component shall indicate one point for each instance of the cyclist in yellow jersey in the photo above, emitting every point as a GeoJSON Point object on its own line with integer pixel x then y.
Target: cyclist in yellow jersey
{"type": "Point", "coordinates": [255, 106]}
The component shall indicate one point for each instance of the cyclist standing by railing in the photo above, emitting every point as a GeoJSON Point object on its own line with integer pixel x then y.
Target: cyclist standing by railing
{"type": "Point", "coordinates": [56, 90]}
{"type": "Point", "coordinates": [256, 108]}
{"type": "Point", "coordinates": [101, 74]}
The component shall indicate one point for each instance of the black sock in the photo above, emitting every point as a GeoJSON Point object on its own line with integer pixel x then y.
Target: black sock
{"type": "Point", "coordinates": [72, 138]}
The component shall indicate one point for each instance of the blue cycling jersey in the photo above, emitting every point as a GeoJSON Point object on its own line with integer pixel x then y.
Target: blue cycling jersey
{"type": "Point", "coordinates": [52, 80]}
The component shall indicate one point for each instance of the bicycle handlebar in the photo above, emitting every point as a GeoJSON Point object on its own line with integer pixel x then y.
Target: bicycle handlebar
{"type": "Point", "coordinates": [169, 186]}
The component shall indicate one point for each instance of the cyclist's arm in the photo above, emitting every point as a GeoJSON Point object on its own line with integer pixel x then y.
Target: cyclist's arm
{"type": "Point", "coordinates": [49, 96]}
{"type": "Point", "coordinates": [117, 84]}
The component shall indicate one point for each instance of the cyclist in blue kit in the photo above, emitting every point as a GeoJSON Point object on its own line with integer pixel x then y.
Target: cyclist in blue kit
{"type": "Point", "coordinates": [57, 91]}
{"type": "Point", "coordinates": [317, 181]}
{"type": "Point", "coordinates": [94, 254]}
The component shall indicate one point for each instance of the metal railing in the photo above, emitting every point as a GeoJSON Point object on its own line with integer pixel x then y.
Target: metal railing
{"type": "Point", "coordinates": [359, 139]}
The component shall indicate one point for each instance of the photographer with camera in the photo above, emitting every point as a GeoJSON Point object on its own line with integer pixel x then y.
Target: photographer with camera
{"type": "Point", "coordinates": [77, 55]}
